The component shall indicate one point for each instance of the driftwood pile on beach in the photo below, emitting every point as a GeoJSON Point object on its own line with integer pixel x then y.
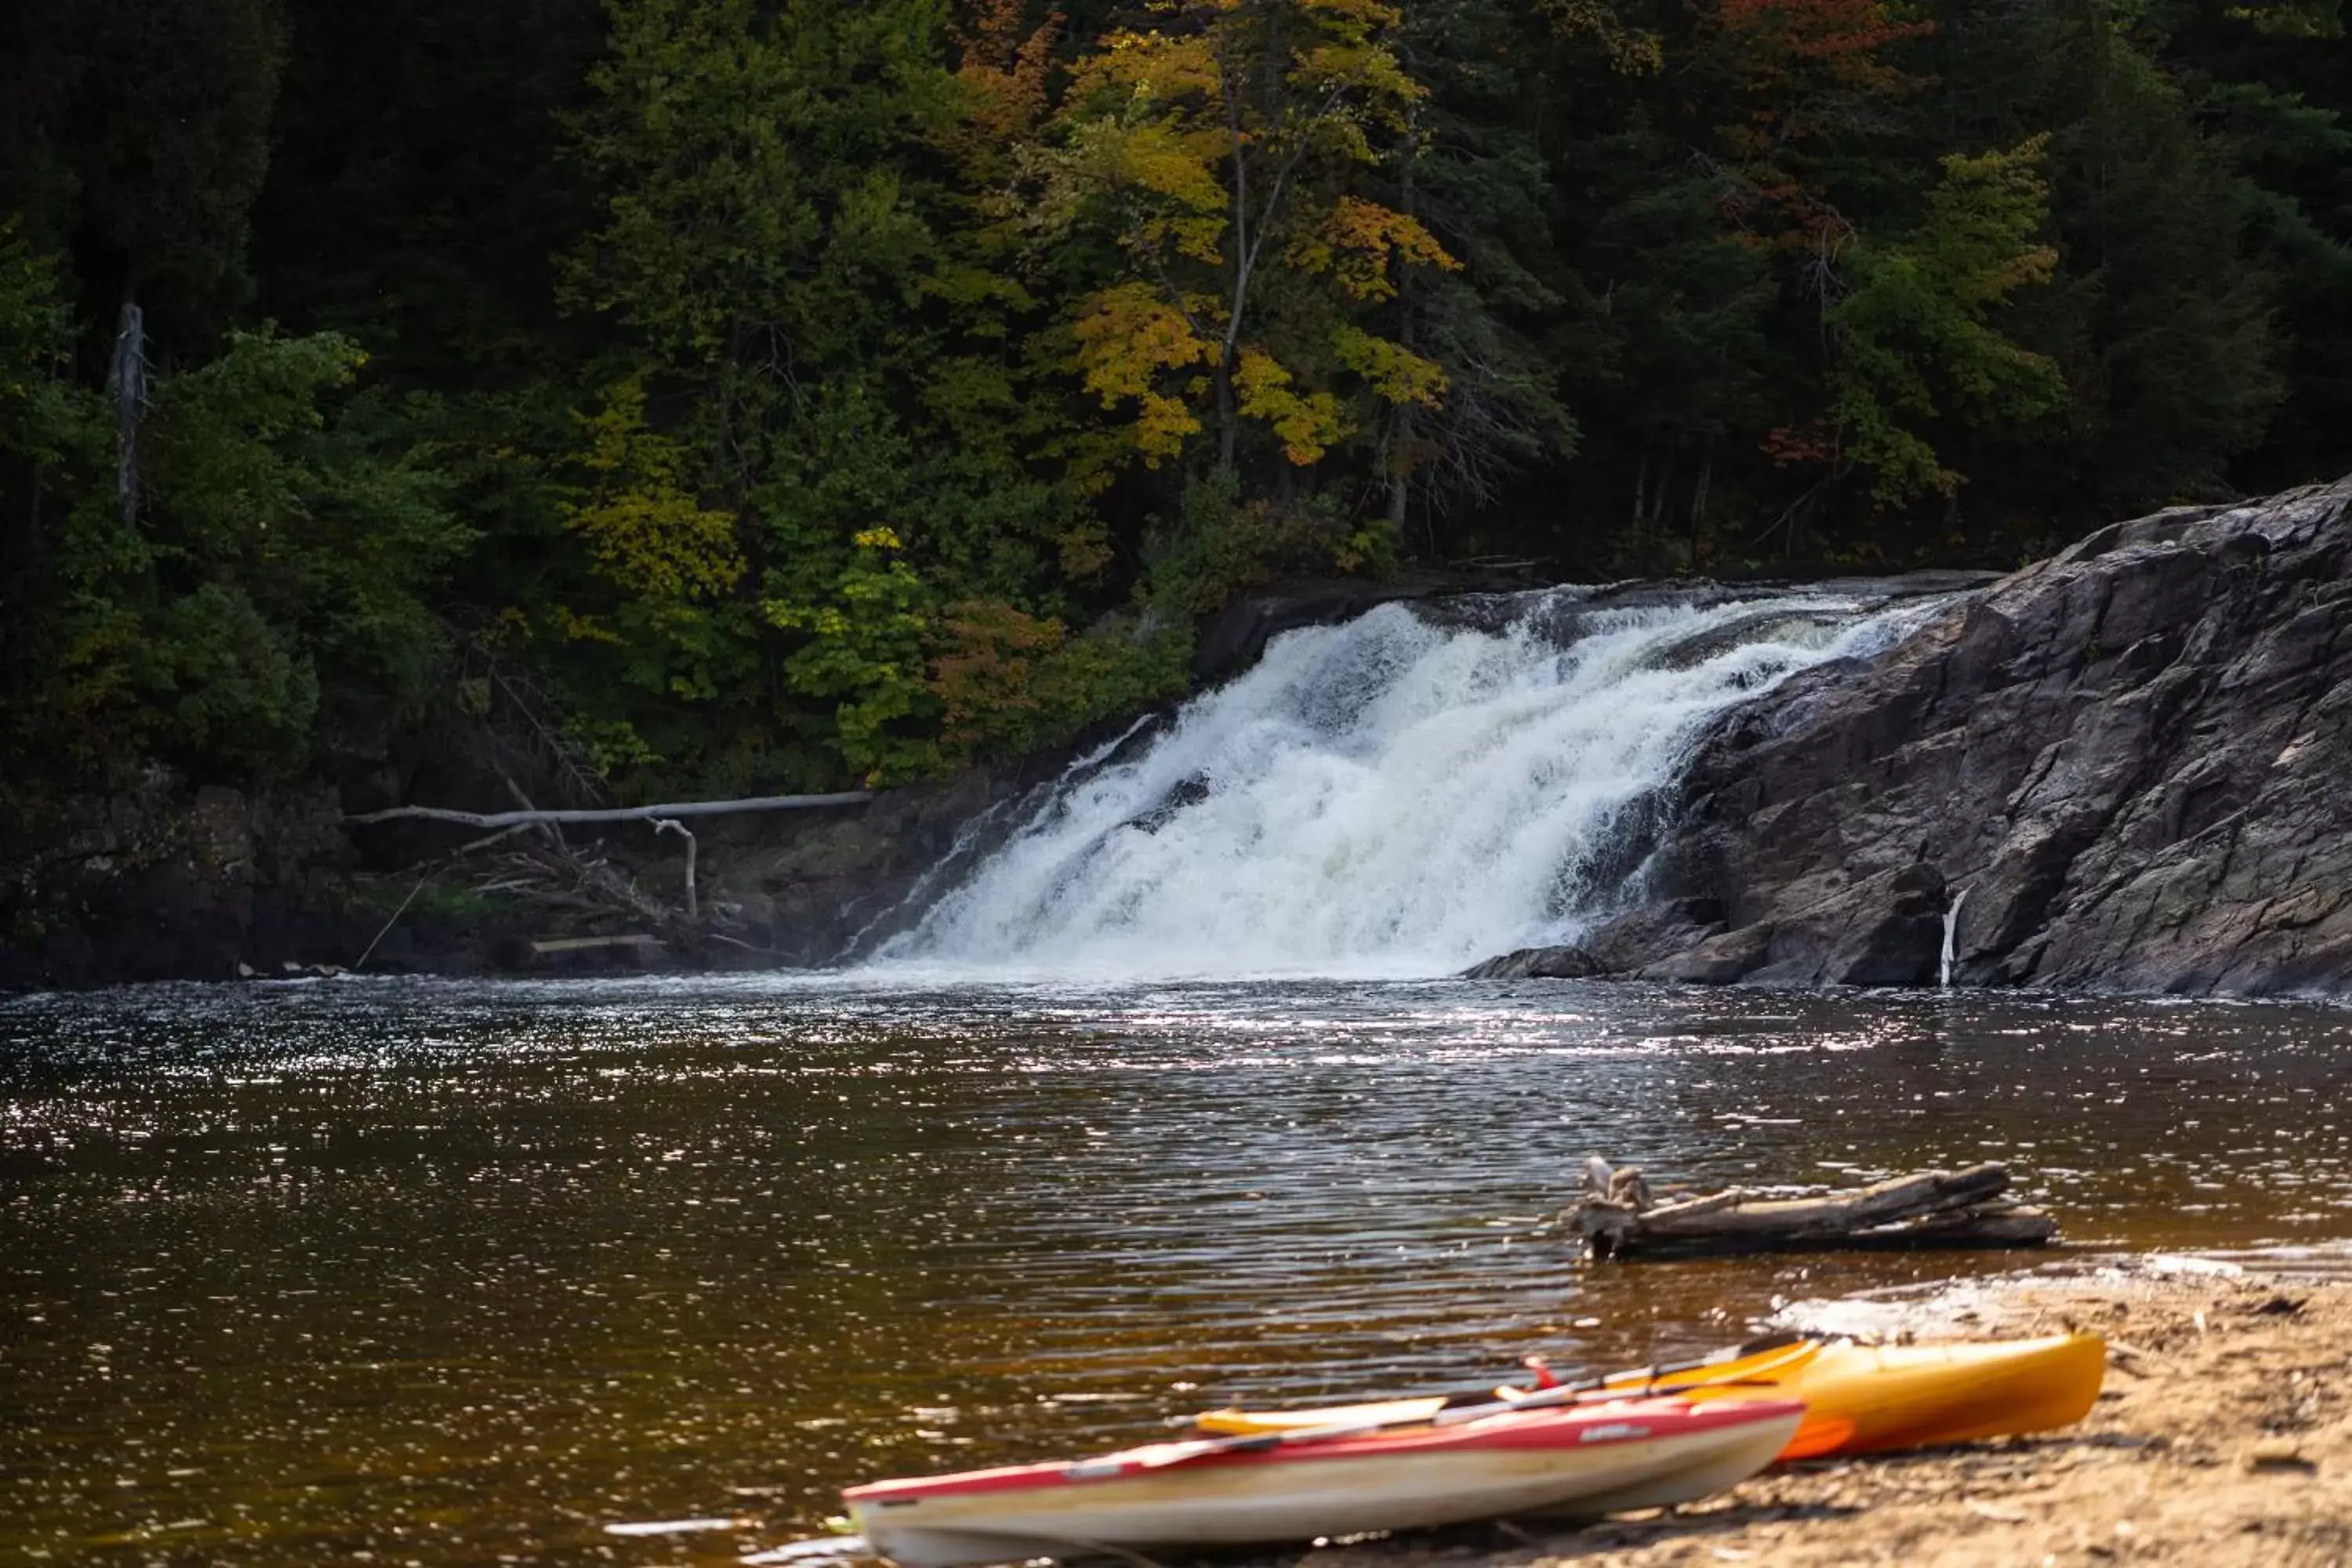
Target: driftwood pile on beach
{"type": "Point", "coordinates": [1617, 1217]}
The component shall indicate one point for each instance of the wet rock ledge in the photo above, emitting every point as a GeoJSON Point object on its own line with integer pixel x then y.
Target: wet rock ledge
{"type": "Point", "coordinates": [2130, 765]}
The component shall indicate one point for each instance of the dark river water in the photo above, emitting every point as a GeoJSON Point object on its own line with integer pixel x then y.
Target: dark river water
{"type": "Point", "coordinates": [432, 1273]}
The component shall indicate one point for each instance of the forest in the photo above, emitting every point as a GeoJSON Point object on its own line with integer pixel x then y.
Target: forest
{"type": "Point", "coordinates": [721, 396]}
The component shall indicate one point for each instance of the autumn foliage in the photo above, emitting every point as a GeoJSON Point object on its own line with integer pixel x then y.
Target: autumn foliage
{"type": "Point", "coordinates": [741, 395]}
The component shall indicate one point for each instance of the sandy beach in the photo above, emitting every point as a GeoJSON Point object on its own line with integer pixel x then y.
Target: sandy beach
{"type": "Point", "coordinates": [2223, 1437]}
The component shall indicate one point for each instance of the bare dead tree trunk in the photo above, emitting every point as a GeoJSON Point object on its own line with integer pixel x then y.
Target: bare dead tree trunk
{"type": "Point", "coordinates": [1698, 501]}
{"type": "Point", "coordinates": [672, 824]}
{"type": "Point", "coordinates": [1400, 417]}
{"type": "Point", "coordinates": [1228, 416]}
{"type": "Point", "coordinates": [126, 386]}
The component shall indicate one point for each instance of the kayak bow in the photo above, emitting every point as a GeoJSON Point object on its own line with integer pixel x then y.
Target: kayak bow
{"type": "Point", "coordinates": [1584, 1460]}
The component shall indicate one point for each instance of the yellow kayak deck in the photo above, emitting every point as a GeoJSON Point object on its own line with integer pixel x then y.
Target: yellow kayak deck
{"type": "Point", "coordinates": [1859, 1399]}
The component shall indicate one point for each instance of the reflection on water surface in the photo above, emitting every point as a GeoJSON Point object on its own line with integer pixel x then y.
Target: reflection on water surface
{"type": "Point", "coordinates": [451, 1274]}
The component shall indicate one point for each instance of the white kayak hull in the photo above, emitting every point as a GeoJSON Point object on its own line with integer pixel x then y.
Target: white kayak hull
{"type": "Point", "coordinates": [1550, 1463]}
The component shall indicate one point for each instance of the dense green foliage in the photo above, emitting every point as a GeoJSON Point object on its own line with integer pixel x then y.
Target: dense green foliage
{"type": "Point", "coordinates": [733, 394]}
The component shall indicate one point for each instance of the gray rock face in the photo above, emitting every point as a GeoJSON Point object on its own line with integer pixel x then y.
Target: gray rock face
{"type": "Point", "coordinates": [2133, 761]}
{"type": "Point", "coordinates": [154, 880]}
{"type": "Point", "coordinates": [1230, 641]}
{"type": "Point", "coordinates": [1537, 964]}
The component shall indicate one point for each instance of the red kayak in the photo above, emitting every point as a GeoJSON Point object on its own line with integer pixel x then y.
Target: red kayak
{"type": "Point", "coordinates": [1587, 1459]}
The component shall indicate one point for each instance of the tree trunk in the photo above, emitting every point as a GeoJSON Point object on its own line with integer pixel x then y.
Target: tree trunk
{"type": "Point", "coordinates": [126, 385]}
{"type": "Point", "coordinates": [1698, 501]}
{"type": "Point", "coordinates": [671, 824]}
{"type": "Point", "coordinates": [1401, 417]}
{"type": "Point", "coordinates": [1228, 416]}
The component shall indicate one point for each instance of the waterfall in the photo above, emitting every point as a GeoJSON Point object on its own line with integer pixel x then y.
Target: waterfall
{"type": "Point", "coordinates": [980, 831]}
{"type": "Point", "coordinates": [1400, 796]}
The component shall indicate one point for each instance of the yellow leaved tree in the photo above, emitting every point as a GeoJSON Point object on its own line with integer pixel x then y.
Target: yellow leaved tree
{"type": "Point", "coordinates": [1222, 148]}
{"type": "Point", "coordinates": [673, 563]}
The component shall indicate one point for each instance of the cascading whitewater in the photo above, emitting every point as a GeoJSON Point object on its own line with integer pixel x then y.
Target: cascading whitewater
{"type": "Point", "coordinates": [1399, 795]}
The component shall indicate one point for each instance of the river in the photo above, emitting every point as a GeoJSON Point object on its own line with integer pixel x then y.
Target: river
{"type": "Point", "coordinates": [441, 1273]}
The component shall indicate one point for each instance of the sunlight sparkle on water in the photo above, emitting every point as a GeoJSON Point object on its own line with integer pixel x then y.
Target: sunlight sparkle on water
{"type": "Point", "coordinates": [444, 1272]}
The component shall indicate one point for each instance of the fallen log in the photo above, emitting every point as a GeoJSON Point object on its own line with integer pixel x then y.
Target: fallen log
{"type": "Point", "coordinates": [1931, 1208]}
{"type": "Point", "coordinates": [585, 874]}
{"type": "Point", "coordinates": [611, 814]}
{"type": "Point", "coordinates": [643, 942]}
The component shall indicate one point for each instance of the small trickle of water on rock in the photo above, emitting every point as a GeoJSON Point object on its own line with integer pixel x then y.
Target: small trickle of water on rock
{"type": "Point", "coordinates": [1951, 931]}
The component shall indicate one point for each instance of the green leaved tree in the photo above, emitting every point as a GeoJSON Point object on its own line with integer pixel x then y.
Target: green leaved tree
{"type": "Point", "coordinates": [1920, 348]}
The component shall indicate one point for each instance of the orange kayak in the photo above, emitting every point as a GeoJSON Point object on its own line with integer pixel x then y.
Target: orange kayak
{"type": "Point", "coordinates": [1859, 1399]}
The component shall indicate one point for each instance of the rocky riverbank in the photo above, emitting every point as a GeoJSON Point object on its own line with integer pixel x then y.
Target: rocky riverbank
{"type": "Point", "coordinates": [153, 878]}
{"type": "Point", "coordinates": [2123, 765]}
{"type": "Point", "coordinates": [157, 880]}
{"type": "Point", "coordinates": [2117, 768]}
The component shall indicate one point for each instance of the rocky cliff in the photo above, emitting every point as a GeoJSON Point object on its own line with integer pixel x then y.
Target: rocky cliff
{"type": "Point", "coordinates": [2130, 765]}
{"type": "Point", "coordinates": [152, 879]}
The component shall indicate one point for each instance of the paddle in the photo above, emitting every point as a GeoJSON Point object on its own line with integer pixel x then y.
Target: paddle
{"type": "Point", "coordinates": [1589, 1391]}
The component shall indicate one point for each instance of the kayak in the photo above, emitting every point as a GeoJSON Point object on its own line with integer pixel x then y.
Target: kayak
{"type": "Point", "coordinates": [1867, 1399]}
{"type": "Point", "coordinates": [1859, 1399]}
{"type": "Point", "coordinates": [1741, 1369]}
{"type": "Point", "coordinates": [1585, 1460]}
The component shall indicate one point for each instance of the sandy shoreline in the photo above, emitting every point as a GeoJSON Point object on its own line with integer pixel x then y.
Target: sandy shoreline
{"type": "Point", "coordinates": [2223, 1437]}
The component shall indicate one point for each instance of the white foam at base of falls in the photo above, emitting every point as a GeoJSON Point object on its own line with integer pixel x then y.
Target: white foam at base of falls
{"type": "Point", "coordinates": [1390, 797]}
